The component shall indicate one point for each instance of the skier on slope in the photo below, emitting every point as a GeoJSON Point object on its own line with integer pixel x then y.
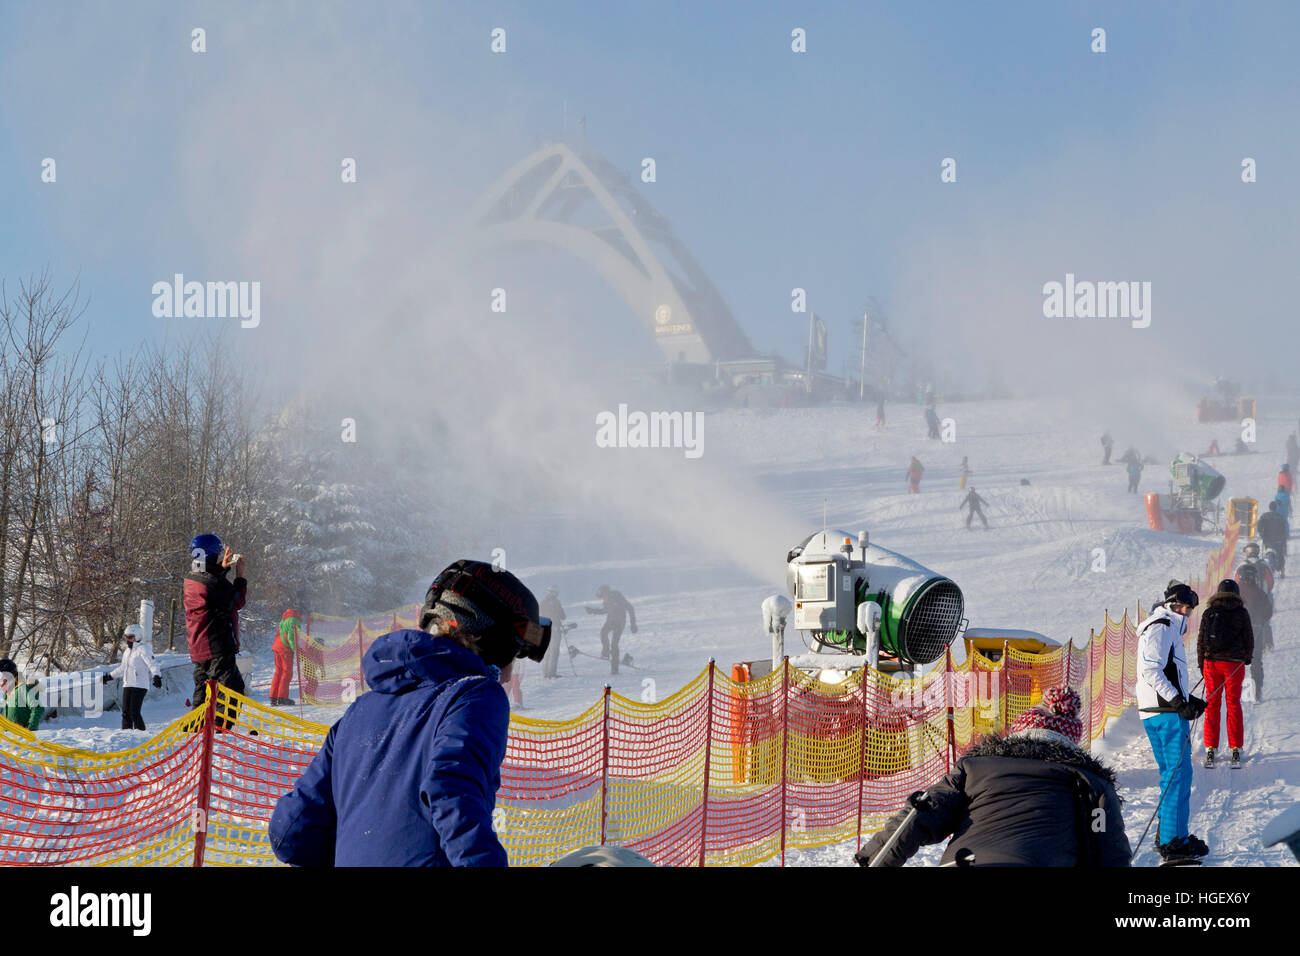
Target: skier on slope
{"type": "Point", "coordinates": [965, 473]}
{"type": "Point", "coordinates": [1285, 479]}
{"type": "Point", "coordinates": [284, 647]}
{"type": "Point", "coordinates": [1259, 604]}
{"type": "Point", "coordinates": [551, 608]}
{"type": "Point", "coordinates": [617, 609]}
{"type": "Point", "coordinates": [932, 421]}
{"type": "Point", "coordinates": [1107, 443]}
{"type": "Point", "coordinates": [914, 471]}
{"type": "Point", "coordinates": [1274, 530]}
{"type": "Point", "coordinates": [1166, 706]}
{"type": "Point", "coordinates": [409, 774]}
{"type": "Point", "coordinates": [1283, 501]}
{"type": "Point", "coordinates": [1134, 473]}
{"type": "Point", "coordinates": [1292, 453]}
{"type": "Point", "coordinates": [1028, 799]}
{"type": "Point", "coordinates": [975, 503]}
{"type": "Point", "coordinates": [134, 668]}
{"type": "Point", "coordinates": [1225, 647]}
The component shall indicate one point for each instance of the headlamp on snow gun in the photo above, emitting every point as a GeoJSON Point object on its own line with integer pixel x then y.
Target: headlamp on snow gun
{"type": "Point", "coordinates": [499, 596]}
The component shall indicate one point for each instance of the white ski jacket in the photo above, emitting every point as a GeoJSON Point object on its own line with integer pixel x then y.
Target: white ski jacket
{"type": "Point", "coordinates": [136, 666]}
{"type": "Point", "coordinates": [1161, 661]}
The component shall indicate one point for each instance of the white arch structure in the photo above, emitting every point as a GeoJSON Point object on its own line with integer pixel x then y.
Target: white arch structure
{"type": "Point", "coordinates": [587, 207]}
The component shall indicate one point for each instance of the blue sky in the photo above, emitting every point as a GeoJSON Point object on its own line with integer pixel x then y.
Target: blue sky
{"type": "Point", "coordinates": [818, 170]}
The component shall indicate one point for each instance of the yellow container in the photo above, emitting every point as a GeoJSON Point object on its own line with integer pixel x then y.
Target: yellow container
{"type": "Point", "coordinates": [1243, 512]}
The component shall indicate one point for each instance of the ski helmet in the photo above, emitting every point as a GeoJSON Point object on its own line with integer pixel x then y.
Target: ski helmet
{"type": "Point", "coordinates": [491, 604]}
{"type": "Point", "coordinates": [602, 590]}
{"type": "Point", "coordinates": [1229, 585]}
{"type": "Point", "coordinates": [1179, 593]}
{"type": "Point", "coordinates": [1251, 550]}
{"type": "Point", "coordinates": [209, 544]}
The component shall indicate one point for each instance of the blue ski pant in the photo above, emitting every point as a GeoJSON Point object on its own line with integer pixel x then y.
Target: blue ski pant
{"type": "Point", "coordinates": [1169, 743]}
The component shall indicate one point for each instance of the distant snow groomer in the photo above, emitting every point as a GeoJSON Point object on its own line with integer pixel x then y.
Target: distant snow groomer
{"type": "Point", "coordinates": [975, 503]}
{"type": "Point", "coordinates": [1166, 707]}
{"type": "Point", "coordinates": [135, 668]}
{"type": "Point", "coordinates": [617, 609]}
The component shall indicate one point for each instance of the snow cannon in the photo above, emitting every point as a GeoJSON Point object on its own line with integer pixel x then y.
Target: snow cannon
{"type": "Point", "coordinates": [847, 597]}
{"type": "Point", "coordinates": [1195, 477]}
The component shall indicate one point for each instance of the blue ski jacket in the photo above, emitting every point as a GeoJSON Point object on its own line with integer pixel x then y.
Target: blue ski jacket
{"type": "Point", "coordinates": [408, 776]}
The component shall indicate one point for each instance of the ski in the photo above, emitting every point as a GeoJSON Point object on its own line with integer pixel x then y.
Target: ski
{"type": "Point", "coordinates": [1182, 861]}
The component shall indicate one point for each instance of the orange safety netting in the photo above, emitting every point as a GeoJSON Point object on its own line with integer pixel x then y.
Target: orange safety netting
{"type": "Point", "coordinates": [724, 772]}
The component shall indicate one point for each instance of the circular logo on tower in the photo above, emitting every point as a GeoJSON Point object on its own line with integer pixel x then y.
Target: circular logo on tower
{"type": "Point", "coordinates": [663, 315]}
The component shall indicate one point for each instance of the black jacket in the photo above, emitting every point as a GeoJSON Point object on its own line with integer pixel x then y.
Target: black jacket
{"type": "Point", "coordinates": [1271, 528]}
{"type": "Point", "coordinates": [1259, 605]}
{"type": "Point", "coordinates": [1018, 801]}
{"type": "Point", "coordinates": [1226, 634]}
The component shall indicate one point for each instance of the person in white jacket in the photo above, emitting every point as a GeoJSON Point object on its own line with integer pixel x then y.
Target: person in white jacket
{"type": "Point", "coordinates": [136, 666]}
{"type": "Point", "coordinates": [1166, 706]}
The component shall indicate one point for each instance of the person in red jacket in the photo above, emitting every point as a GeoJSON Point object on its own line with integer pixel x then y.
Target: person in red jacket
{"type": "Point", "coordinates": [284, 646]}
{"type": "Point", "coordinates": [914, 471]}
{"type": "Point", "coordinates": [212, 605]}
{"type": "Point", "coordinates": [1286, 480]}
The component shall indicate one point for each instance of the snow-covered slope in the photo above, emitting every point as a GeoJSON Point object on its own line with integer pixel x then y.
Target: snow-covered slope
{"type": "Point", "coordinates": [1034, 568]}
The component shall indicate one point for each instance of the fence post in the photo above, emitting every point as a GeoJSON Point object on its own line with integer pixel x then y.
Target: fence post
{"type": "Point", "coordinates": [1069, 662]}
{"type": "Point", "coordinates": [708, 757]}
{"type": "Point", "coordinates": [205, 774]}
{"type": "Point", "coordinates": [604, 768]}
{"type": "Point", "coordinates": [1006, 687]}
{"type": "Point", "coordinates": [1105, 672]}
{"type": "Point", "coordinates": [171, 626]}
{"type": "Point", "coordinates": [862, 749]}
{"type": "Point", "coordinates": [785, 741]}
{"type": "Point", "coordinates": [951, 755]}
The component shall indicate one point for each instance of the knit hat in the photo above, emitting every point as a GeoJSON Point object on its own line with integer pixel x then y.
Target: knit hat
{"type": "Point", "coordinates": [1057, 715]}
{"type": "Point", "coordinates": [8, 667]}
{"type": "Point", "coordinates": [1229, 585]}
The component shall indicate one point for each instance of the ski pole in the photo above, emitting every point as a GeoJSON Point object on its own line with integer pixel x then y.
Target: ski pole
{"type": "Point", "coordinates": [917, 801]}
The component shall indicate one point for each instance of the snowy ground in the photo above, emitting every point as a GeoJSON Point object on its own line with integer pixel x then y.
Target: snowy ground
{"type": "Point", "coordinates": [1032, 569]}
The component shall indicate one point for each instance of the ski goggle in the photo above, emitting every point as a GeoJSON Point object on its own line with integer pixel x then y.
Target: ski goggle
{"type": "Point", "coordinates": [532, 638]}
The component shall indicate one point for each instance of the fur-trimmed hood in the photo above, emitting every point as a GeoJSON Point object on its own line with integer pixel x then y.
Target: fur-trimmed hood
{"type": "Point", "coordinates": [1028, 748]}
{"type": "Point", "coordinates": [1225, 599]}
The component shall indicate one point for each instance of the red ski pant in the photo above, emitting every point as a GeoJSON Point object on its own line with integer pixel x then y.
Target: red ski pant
{"type": "Point", "coordinates": [915, 486]}
{"type": "Point", "coordinates": [283, 671]}
{"type": "Point", "coordinates": [1223, 683]}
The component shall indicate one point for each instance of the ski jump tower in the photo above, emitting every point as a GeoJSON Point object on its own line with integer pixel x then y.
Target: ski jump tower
{"type": "Point", "coordinates": [577, 200]}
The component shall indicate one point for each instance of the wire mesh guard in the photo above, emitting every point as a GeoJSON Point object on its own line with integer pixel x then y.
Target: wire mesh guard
{"type": "Point", "coordinates": [931, 623]}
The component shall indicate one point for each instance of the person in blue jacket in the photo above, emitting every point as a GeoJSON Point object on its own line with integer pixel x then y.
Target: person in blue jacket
{"type": "Point", "coordinates": [409, 775]}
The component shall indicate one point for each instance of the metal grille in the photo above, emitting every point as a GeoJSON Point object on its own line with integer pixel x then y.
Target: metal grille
{"type": "Point", "coordinates": [932, 623]}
